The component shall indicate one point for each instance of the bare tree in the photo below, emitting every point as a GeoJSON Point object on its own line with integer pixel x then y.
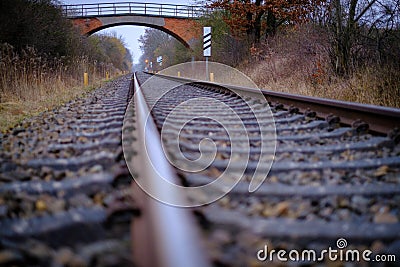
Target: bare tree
{"type": "Point", "coordinates": [356, 21]}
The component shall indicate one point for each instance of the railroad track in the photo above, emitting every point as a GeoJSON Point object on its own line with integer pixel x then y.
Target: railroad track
{"type": "Point", "coordinates": [333, 182]}
{"type": "Point", "coordinates": [66, 197]}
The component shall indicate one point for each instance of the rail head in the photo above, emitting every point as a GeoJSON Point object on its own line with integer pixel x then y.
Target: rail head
{"type": "Point", "coordinates": [175, 240]}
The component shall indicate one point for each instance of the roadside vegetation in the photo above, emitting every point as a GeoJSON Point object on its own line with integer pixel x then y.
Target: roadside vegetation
{"type": "Point", "coordinates": [341, 49]}
{"type": "Point", "coordinates": [43, 58]}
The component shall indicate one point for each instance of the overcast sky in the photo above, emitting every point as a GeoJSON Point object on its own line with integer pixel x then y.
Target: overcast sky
{"type": "Point", "coordinates": [129, 33]}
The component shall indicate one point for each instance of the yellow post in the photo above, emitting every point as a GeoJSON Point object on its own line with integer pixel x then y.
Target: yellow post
{"type": "Point", "coordinates": [107, 75]}
{"type": "Point", "coordinates": [211, 77]}
{"type": "Point", "coordinates": [85, 79]}
{"type": "Point", "coordinates": [179, 74]}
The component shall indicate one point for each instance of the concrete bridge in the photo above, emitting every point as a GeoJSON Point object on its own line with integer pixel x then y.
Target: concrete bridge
{"type": "Point", "coordinates": [179, 21]}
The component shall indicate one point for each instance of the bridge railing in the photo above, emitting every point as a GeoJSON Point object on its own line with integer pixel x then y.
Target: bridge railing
{"type": "Point", "coordinates": [135, 8]}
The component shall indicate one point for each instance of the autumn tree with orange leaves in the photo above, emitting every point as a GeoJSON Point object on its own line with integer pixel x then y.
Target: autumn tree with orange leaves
{"type": "Point", "coordinates": [257, 18]}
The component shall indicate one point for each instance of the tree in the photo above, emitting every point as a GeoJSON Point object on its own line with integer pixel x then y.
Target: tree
{"type": "Point", "coordinates": [37, 23]}
{"type": "Point", "coordinates": [156, 43]}
{"type": "Point", "coordinates": [152, 40]}
{"type": "Point", "coordinates": [108, 48]}
{"type": "Point", "coordinates": [227, 48]}
{"type": "Point", "coordinates": [255, 18]}
{"type": "Point", "coordinates": [357, 25]}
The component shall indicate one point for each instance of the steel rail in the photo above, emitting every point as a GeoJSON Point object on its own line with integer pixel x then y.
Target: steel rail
{"type": "Point", "coordinates": [166, 235]}
{"type": "Point", "coordinates": [381, 120]}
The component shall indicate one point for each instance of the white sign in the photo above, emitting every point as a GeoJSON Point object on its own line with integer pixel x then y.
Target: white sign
{"type": "Point", "coordinates": [207, 41]}
{"type": "Point", "coordinates": [159, 60]}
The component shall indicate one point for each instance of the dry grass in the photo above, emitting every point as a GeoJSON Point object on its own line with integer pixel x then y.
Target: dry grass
{"type": "Point", "coordinates": [13, 112]}
{"type": "Point", "coordinates": [30, 84]}
{"type": "Point", "coordinates": [298, 62]}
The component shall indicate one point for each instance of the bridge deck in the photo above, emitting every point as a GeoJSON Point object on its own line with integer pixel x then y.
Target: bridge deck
{"type": "Point", "coordinates": [132, 8]}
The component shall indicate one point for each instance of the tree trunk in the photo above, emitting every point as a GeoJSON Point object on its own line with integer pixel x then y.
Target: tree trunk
{"type": "Point", "coordinates": [340, 49]}
{"type": "Point", "coordinates": [257, 22]}
{"type": "Point", "coordinates": [254, 24]}
{"type": "Point", "coordinates": [345, 32]}
{"type": "Point", "coordinates": [257, 26]}
{"type": "Point", "coordinates": [271, 23]}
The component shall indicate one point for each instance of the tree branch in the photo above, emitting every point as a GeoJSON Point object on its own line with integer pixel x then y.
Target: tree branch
{"type": "Point", "coordinates": [364, 10]}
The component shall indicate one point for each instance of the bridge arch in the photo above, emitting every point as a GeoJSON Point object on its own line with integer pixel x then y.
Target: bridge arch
{"type": "Point", "coordinates": [180, 21]}
{"type": "Point", "coordinates": [184, 30]}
